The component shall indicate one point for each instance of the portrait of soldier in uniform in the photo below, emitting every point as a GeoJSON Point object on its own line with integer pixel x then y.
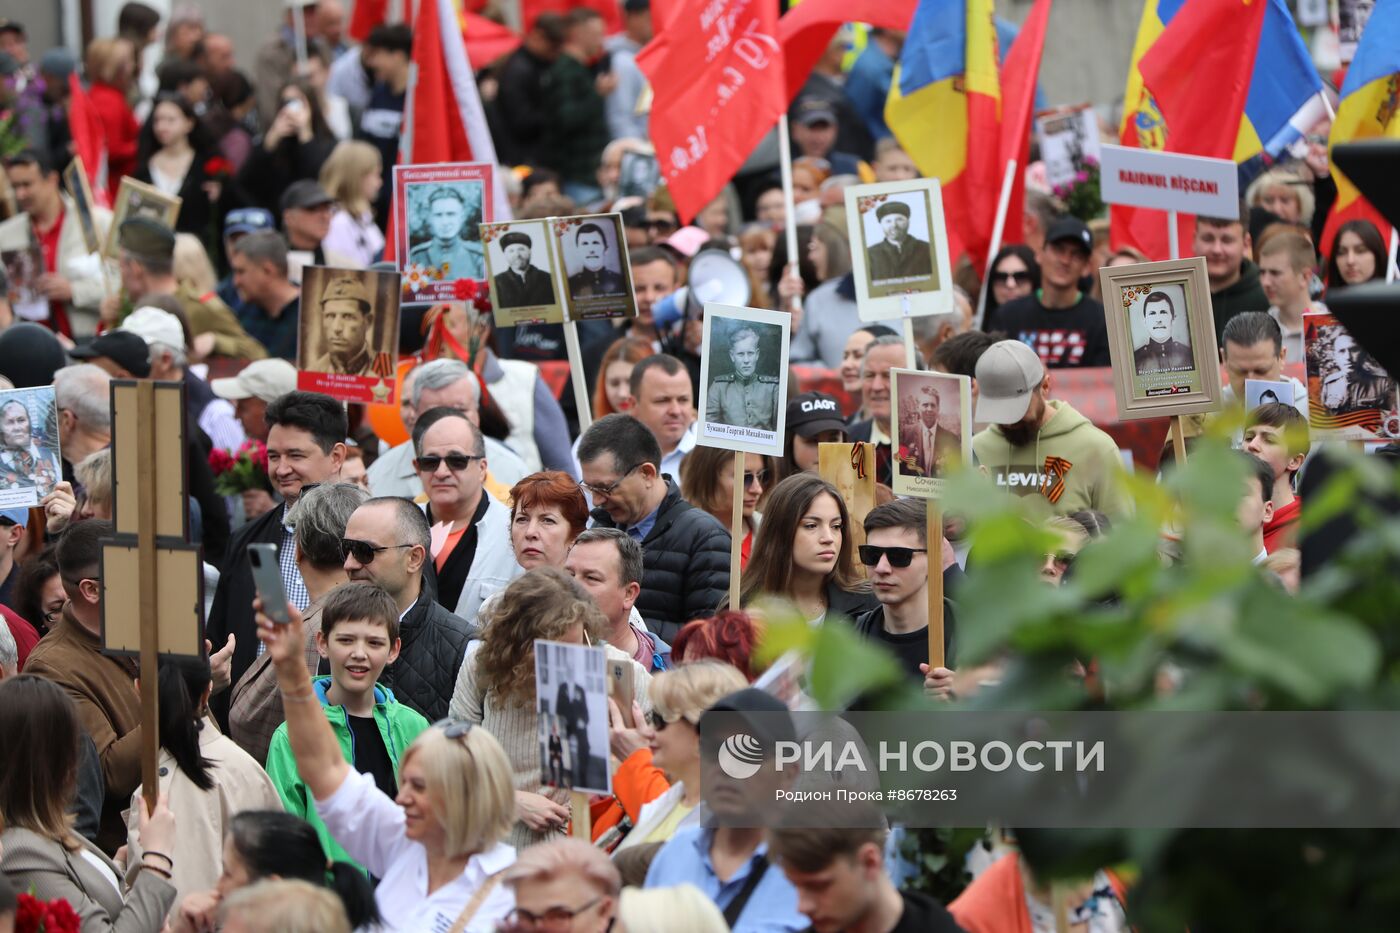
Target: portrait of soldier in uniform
{"type": "Point", "coordinates": [1160, 352]}
{"type": "Point", "coordinates": [743, 397]}
{"type": "Point", "coordinates": [347, 327]}
{"type": "Point", "coordinates": [900, 254]}
{"type": "Point", "coordinates": [448, 216]}
{"type": "Point", "coordinates": [595, 274]}
{"type": "Point", "coordinates": [1356, 382]}
{"type": "Point", "coordinates": [522, 284]}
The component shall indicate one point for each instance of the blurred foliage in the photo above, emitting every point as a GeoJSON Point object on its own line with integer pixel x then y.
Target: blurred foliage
{"type": "Point", "coordinates": [1225, 635]}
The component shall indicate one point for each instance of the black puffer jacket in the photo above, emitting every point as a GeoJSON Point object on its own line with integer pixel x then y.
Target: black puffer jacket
{"type": "Point", "coordinates": [433, 644]}
{"type": "Point", "coordinates": [685, 564]}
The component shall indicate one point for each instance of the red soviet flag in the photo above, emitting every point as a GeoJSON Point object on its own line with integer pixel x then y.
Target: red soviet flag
{"type": "Point", "coordinates": [716, 72]}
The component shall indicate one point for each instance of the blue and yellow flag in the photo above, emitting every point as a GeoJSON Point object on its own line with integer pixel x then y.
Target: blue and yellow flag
{"type": "Point", "coordinates": [945, 109]}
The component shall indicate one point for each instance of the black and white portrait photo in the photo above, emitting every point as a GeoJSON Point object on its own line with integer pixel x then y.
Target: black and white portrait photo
{"type": "Point", "coordinates": [520, 264]}
{"type": "Point", "coordinates": [899, 253]}
{"type": "Point", "coordinates": [899, 249]}
{"type": "Point", "coordinates": [443, 218]}
{"type": "Point", "coordinates": [743, 388]}
{"type": "Point", "coordinates": [571, 692]}
{"type": "Point", "coordinates": [29, 458]}
{"type": "Point", "coordinates": [593, 248]}
{"type": "Point", "coordinates": [1161, 331]}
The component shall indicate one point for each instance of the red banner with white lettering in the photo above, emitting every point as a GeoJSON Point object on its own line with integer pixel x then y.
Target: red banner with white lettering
{"type": "Point", "coordinates": [716, 72]}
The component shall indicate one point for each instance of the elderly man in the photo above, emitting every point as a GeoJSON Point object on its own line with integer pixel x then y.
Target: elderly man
{"type": "Point", "coordinates": [82, 393]}
{"type": "Point", "coordinates": [388, 542]}
{"type": "Point", "coordinates": [898, 255]}
{"type": "Point", "coordinates": [522, 285]}
{"type": "Point", "coordinates": [448, 216]}
{"type": "Point", "coordinates": [594, 278]}
{"type": "Point", "coordinates": [441, 384]}
{"type": "Point", "coordinates": [347, 324]}
{"type": "Point", "coordinates": [255, 386]}
{"type": "Point", "coordinates": [1161, 353]}
{"type": "Point", "coordinates": [72, 277]}
{"type": "Point", "coordinates": [744, 397]}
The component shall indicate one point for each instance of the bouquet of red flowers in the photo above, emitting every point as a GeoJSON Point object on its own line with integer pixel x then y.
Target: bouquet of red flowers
{"type": "Point", "coordinates": [218, 168]}
{"type": "Point", "coordinates": [35, 916]}
{"type": "Point", "coordinates": [240, 471]}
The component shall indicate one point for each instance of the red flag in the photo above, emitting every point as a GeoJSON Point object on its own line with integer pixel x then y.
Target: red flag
{"type": "Point", "coordinates": [370, 13]}
{"type": "Point", "coordinates": [805, 31]}
{"type": "Point", "coordinates": [716, 73]}
{"type": "Point", "coordinates": [608, 9]}
{"type": "Point", "coordinates": [1019, 70]}
{"type": "Point", "coordinates": [89, 138]}
{"type": "Point", "coordinates": [487, 40]}
{"type": "Point", "coordinates": [443, 117]}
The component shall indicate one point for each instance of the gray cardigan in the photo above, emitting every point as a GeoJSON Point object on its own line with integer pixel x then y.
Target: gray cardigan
{"type": "Point", "coordinates": [37, 862]}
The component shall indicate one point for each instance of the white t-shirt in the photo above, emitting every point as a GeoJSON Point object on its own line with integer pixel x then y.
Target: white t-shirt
{"type": "Point", "coordinates": [370, 827]}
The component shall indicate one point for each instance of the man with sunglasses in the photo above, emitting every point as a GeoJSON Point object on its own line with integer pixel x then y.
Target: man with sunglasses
{"type": "Point", "coordinates": [305, 447]}
{"type": "Point", "coordinates": [685, 550]}
{"type": "Point", "coordinates": [896, 557]}
{"type": "Point", "coordinates": [388, 542]}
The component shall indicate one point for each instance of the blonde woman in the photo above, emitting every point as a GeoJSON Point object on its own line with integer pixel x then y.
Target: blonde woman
{"type": "Point", "coordinates": [353, 176]}
{"type": "Point", "coordinates": [1283, 193]}
{"type": "Point", "coordinates": [193, 270]}
{"type": "Point", "coordinates": [438, 846]}
{"type": "Point", "coordinates": [280, 906]}
{"type": "Point", "coordinates": [496, 685]}
{"type": "Point", "coordinates": [681, 909]}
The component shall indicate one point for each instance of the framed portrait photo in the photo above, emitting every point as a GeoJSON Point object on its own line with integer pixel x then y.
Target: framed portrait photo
{"type": "Point", "coordinates": [523, 273]}
{"type": "Point", "coordinates": [1350, 396]}
{"type": "Point", "coordinates": [30, 465]}
{"type": "Point", "coordinates": [1264, 392]}
{"type": "Point", "coordinates": [899, 249]}
{"type": "Point", "coordinates": [76, 181]}
{"type": "Point", "coordinates": [1161, 337]}
{"type": "Point", "coordinates": [743, 379]}
{"type": "Point", "coordinates": [347, 344]}
{"type": "Point", "coordinates": [933, 424]}
{"type": "Point", "coordinates": [438, 213]}
{"type": "Point", "coordinates": [598, 277]}
{"type": "Point", "coordinates": [571, 691]}
{"type": "Point", "coordinates": [138, 199]}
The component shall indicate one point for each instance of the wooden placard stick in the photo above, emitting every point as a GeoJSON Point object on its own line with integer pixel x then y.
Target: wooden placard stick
{"type": "Point", "coordinates": [934, 533]}
{"type": "Point", "coordinates": [851, 469]}
{"type": "Point", "coordinates": [736, 532]}
{"type": "Point", "coordinates": [580, 817]}
{"type": "Point", "coordinates": [580, 381]}
{"type": "Point", "coordinates": [1178, 441]}
{"type": "Point", "coordinates": [909, 355]}
{"type": "Point", "coordinates": [146, 570]}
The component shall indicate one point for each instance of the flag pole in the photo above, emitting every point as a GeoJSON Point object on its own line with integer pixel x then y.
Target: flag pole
{"type": "Point", "coordinates": [998, 228]}
{"type": "Point", "coordinates": [1173, 243]}
{"type": "Point", "coordinates": [789, 205]}
{"type": "Point", "coordinates": [299, 29]}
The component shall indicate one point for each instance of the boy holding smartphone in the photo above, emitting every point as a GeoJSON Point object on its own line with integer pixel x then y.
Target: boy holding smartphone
{"type": "Point", "coordinates": [359, 636]}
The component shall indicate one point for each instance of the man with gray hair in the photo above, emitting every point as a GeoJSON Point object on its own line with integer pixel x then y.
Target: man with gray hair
{"type": "Point", "coordinates": [441, 384]}
{"type": "Point", "coordinates": [318, 521]}
{"type": "Point", "coordinates": [271, 302]}
{"type": "Point", "coordinates": [881, 355]}
{"type": "Point", "coordinates": [81, 393]}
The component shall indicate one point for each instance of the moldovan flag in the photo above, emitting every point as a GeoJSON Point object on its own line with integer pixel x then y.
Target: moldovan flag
{"type": "Point", "coordinates": [945, 109]}
{"type": "Point", "coordinates": [1370, 108]}
{"type": "Point", "coordinates": [1282, 94]}
{"type": "Point", "coordinates": [443, 120]}
{"type": "Point", "coordinates": [716, 72]}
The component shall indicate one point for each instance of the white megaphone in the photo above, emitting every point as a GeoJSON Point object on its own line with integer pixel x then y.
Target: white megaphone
{"type": "Point", "coordinates": [714, 276]}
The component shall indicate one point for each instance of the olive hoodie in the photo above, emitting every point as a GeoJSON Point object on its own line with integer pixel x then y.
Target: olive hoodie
{"type": "Point", "coordinates": [1070, 462]}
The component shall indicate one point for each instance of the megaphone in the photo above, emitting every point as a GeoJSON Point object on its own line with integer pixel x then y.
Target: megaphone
{"type": "Point", "coordinates": [714, 277]}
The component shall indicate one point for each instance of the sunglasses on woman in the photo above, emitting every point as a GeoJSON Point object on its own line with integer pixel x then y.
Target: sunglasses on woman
{"type": "Point", "coordinates": [455, 462]}
{"type": "Point", "coordinates": [899, 557]}
{"type": "Point", "coordinates": [1011, 278]}
{"type": "Point", "coordinates": [657, 721]}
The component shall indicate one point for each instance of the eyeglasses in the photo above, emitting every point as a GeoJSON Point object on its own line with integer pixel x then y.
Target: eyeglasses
{"type": "Point", "coordinates": [363, 551]}
{"type": "Point", "coordinates": [611, 487]}
{"type": "Point", "coordinates": [454, 728]}
{"type": "Point", "coordinates": [656, 721]}
{"type": "Point", "coordinates": [455, 462]}
{"type": "Point", "coordinates": [553, 919]}
{"type": "Point", "coordinates": [761, 476]}
{"type": "Point", "coordinates": [1011, 278]}
{"type": "Point", "coordinates": [658, 224]}
{"type": "Point", "coordinates": [899, 557]}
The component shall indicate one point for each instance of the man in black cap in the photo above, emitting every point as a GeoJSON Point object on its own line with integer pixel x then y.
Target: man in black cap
{"type": "Point", "coordinates": [147, 265]}
{"type": "Point", "coordinates": [1059, 320]}
{"type": "Point", "coordinates": [119, 353]}
{"type": "Point", "coordinates": [814, 418]}
{"type": "Point", "coordinates": [306, 218]}
{"type": "Point", "coordinates": [814, 130]}
{"type": "Point", "coordinates": [898, 255]}
{"type": "Point", "coordinates": [522, 285]}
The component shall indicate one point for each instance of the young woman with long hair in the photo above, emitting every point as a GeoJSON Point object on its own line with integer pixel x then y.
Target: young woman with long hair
{"type": "Point", "coordinates": [353, 175]}
{"type": "Point", "coordinates": [1358, 255]}
{"type": "Point", "coordinates": [707, 482]}
{"type": "Point", "coordinates": [176, 156]}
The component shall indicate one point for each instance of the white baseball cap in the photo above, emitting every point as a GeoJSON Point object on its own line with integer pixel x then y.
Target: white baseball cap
{"type": "Point", "coordinates": [155, 326]}
{"type": "Point", "coordinates": [1008, 372]}
{"type": "Point", "coordinates": [268, 380]}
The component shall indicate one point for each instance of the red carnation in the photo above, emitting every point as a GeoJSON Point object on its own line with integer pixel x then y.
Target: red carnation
{"type": "Point", "coordinates": [465, 289]}
{"type": "Point", "coordinates": [218, 167]}
{"type": "Point", "coordinates": [220, 461]}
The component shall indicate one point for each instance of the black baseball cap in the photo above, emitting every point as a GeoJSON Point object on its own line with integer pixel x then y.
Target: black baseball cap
{"type": "Point", "coordinates": [126, 349]}
{"type": "Point", "coordinates": [304, 194]}
{"type": "Point", "coordinates": [811, 413]}
{"type": "Point", "coordinates": [1071, 228]}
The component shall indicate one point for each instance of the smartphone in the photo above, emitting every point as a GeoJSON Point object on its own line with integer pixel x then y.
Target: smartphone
{"type": "Point", "coordinates": [604, 64]}
{"type": "Point", "coordinates": [620, 688]}
{"type": "Point", "coordinates": [267, 577]}
{"type": "Point", "coordinates": [292, 105]}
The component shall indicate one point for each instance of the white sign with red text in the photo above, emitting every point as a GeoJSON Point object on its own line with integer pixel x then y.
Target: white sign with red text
{"type": "Point", "coordinates": [1168, 181]}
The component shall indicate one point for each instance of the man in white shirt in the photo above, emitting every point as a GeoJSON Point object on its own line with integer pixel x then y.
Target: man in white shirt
{"type": "Point", "coordinates": [1285, 269]}
{"type": "Point", "coordinates": [664, 402]}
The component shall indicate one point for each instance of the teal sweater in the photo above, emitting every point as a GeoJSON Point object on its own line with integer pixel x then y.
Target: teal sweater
{"type": "Point", "coordinates": [398, 727]}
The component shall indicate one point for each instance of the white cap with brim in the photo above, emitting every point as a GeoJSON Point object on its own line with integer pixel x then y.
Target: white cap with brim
{"type": "Point", "coordinates": [155, 326]}
{"type": "Point", "coordinates": [268, 380]}
{"type": "Point", "coordinates": [1008, 373]}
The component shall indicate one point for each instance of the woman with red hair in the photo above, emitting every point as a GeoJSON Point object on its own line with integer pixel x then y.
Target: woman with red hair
{"type": "Point", "coordinates": [547, 512]}
{"type": "Point", "coordinates": [728, 636]}
{"type": "Point", "coordinates": [613, 391]}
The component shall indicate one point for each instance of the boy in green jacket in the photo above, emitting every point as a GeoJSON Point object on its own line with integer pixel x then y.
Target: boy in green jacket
{"type": "Point", "coordinates": [359, 637]}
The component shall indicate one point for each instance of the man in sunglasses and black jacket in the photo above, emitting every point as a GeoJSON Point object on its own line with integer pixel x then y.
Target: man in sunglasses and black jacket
{"type": "Point", "coordinates": [895, 556]}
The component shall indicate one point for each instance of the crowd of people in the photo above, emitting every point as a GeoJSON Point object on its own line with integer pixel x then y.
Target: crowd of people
{"type": "Point", "coordinates": [373, 763]}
